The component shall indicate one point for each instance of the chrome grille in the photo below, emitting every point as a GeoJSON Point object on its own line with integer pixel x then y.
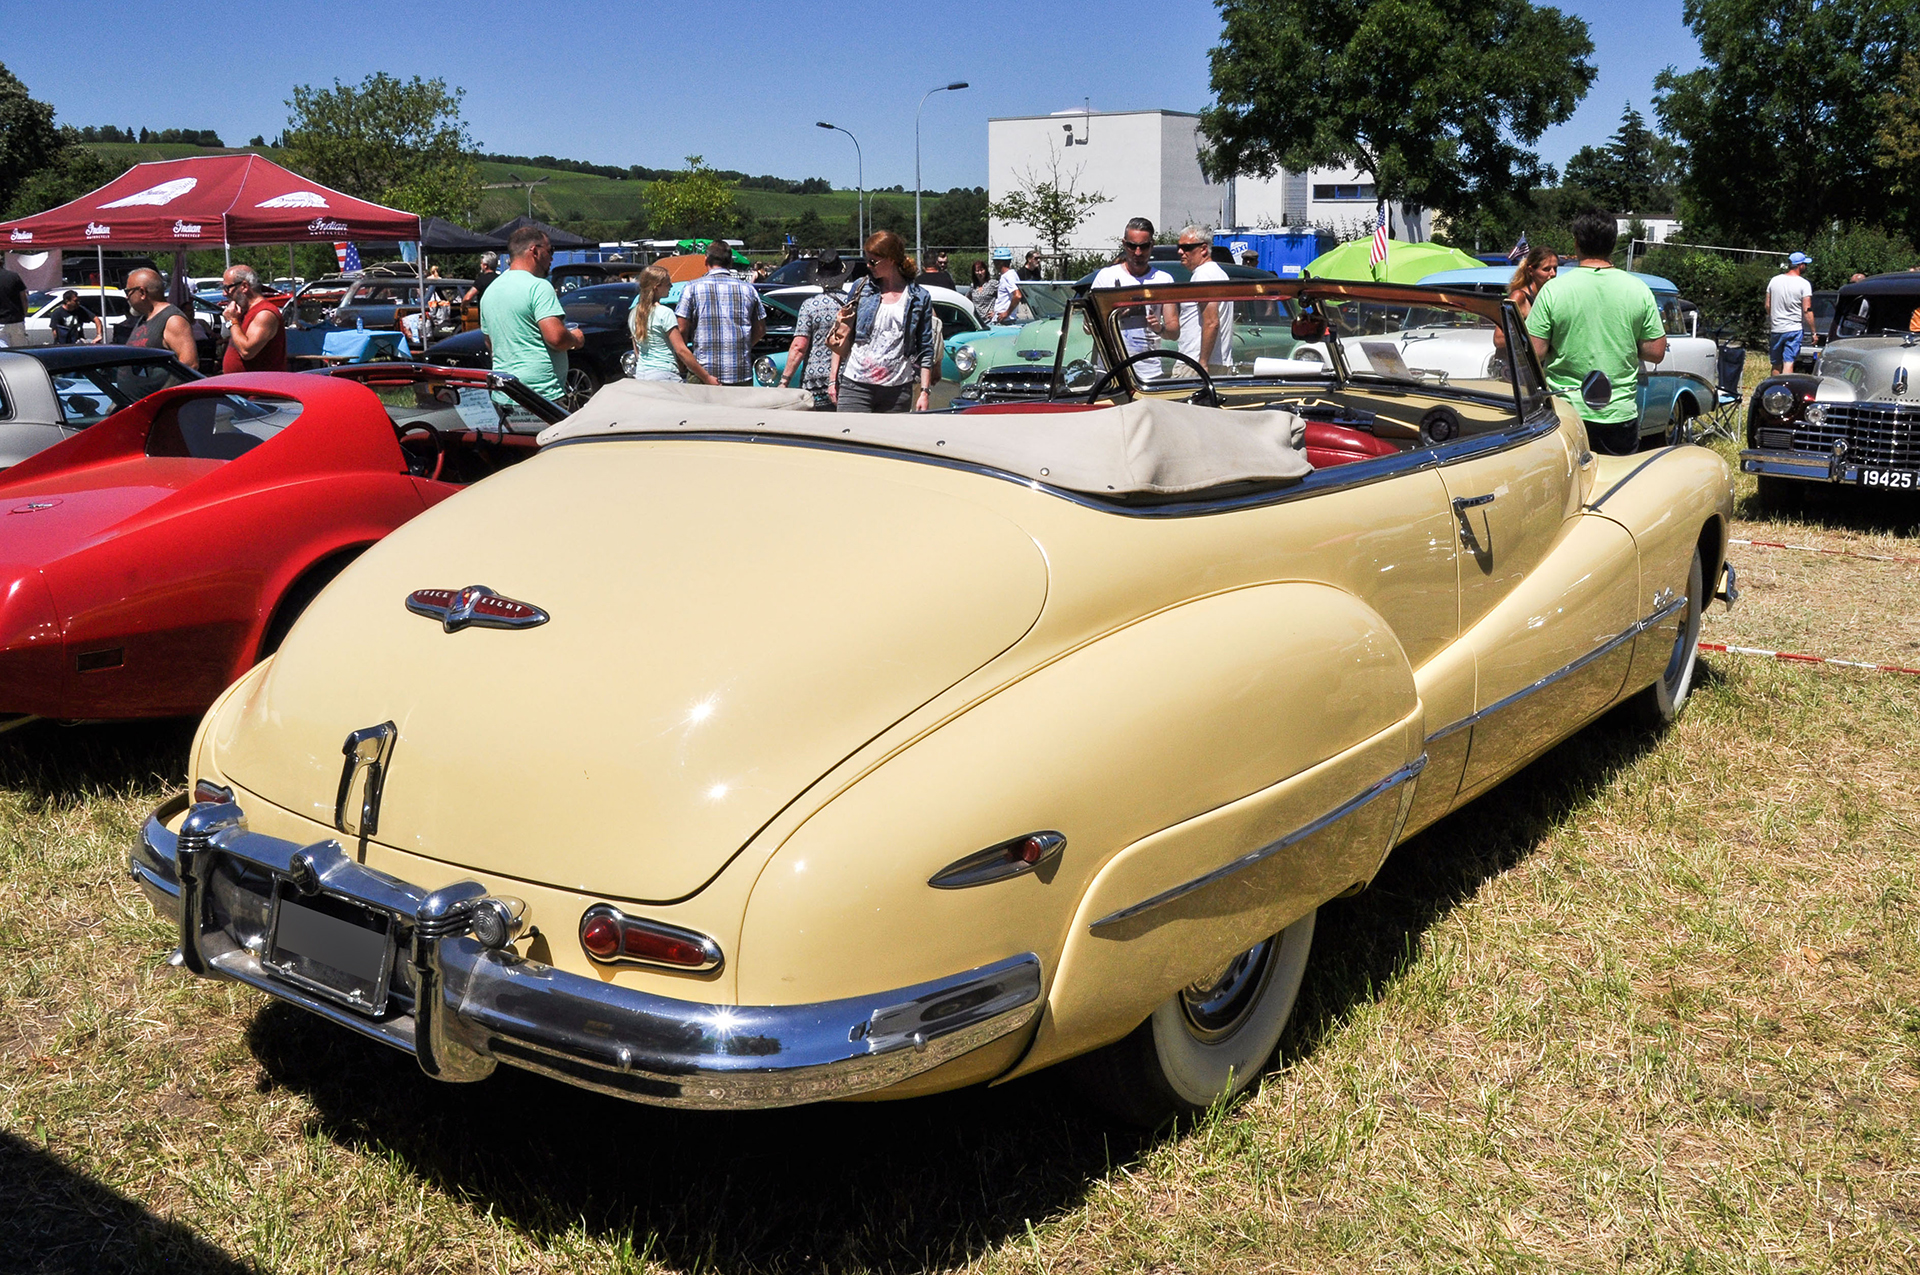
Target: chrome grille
{"type": "Point", "coordinates": [1877, 434]}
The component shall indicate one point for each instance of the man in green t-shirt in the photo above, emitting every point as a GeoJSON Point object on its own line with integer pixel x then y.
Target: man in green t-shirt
{"type": "Point", "coordinates": [1595, 318]}
{"type": "Point", "coordinates": [526, 328]}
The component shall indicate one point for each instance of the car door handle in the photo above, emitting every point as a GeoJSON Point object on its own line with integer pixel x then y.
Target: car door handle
{"type": "Point", "coordinates": [1474, 502]}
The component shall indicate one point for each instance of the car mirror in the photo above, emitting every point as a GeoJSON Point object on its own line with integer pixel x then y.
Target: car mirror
{"type": "Point", "coordinates": [1309, 327]}
{"type": "Point", "coordinates": [1596, 391]}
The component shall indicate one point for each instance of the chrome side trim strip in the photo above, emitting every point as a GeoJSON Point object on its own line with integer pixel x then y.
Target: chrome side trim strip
{"type": "Point", "coordinates": [1245, 861]}
{"type": "Point", "coordinates": [1611, 644]}
{"type": "Point", "coordinates": [1357, 474]}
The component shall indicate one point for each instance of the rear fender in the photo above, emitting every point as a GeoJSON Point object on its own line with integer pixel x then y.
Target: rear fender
{"type": "Point", "coordinates": [1145, 729]}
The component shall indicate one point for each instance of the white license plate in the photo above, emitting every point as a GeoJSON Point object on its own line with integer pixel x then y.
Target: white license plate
{"type": "Point", "coordinates": [1891, 479]}
{"type": "Point", "coordinates": [333, 947]}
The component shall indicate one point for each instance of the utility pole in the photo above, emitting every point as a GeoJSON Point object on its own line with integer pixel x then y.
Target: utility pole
{"type": "Point", "coordinates": [860, 183]}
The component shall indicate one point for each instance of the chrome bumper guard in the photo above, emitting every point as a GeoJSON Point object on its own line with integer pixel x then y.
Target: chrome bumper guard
{"type": "Point", "coordinates": [1816, 467]}
{"type": "Point", "coordinates": [461, 1008]}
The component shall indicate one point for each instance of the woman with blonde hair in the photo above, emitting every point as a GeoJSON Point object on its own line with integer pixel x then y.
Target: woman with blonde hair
{"type": "Point", "coordinates": [894, 345]}
{"type": "Point", "coordinates": [659, 350]}
{"type": "Point", "coordinates": [1538, 266]}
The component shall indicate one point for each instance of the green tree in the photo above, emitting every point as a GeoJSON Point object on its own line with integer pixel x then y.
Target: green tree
{"type": "Point", "coordinates": [1436, 100]}
{"type": "Point", "coordinates": [959, 220]}
{"type": "Point", "coordinates": [809, 231]}
{"type": "Point", "coordinates": [1049, 203]}
{"type": "Point", "coordinates": [694, 202]}
{"type": "Point", "coordinates": [28, 139]}
{"type": "Point", "coordinates": [72, 173]}
{"type": "Point", "coordinates": [1778, 127]}
{"type": "Point", "coordinates": [1897, 141]}
{"type": "Point", "coordinates": [401, 143]}
{"type": "Point", "coordinates": [1625, 175]}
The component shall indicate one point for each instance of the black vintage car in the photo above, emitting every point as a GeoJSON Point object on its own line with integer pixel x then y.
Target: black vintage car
{"type": "Point", "coordinates": [600, 311]}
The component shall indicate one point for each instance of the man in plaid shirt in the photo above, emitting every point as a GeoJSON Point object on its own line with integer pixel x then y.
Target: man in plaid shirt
{"type": "Point", "coordinates": [722, 320]}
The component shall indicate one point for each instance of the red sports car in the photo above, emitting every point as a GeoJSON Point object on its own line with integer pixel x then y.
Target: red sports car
{"type": "Point", "coordinates": [148, 562]}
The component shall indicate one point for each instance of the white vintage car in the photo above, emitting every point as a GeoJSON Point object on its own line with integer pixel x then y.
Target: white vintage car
{"type": "Point", "coordinates": [725, 754]}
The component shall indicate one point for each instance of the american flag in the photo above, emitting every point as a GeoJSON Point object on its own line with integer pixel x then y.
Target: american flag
{"type": "Point", "coordinates": [348, 256]}
{"type": "Point", "coordinates": [1378, 256]}
{"type": "Point", "coordinates": [1518, 250]}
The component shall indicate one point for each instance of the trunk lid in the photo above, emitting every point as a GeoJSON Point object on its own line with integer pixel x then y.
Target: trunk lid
{"type": "Point", "coordinates": [728, 622]}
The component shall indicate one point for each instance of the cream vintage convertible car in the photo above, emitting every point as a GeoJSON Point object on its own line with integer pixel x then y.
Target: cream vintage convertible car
{"type": "Point", "coordinates": [730, 755]}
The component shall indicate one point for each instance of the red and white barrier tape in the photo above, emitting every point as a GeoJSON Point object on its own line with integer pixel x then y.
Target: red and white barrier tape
{"type": "Point", "coordinates": [1840, 553]}
{"type": "Point", "coordinates": [1807, 659]}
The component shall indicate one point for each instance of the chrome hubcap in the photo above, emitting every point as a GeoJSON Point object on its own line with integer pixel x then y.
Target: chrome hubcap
{"type": "Point", "coordinates": [1216, 1007]}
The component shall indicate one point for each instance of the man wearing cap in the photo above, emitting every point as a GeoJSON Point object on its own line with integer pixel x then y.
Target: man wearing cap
{"type": "Point", "coordinates": [1008, 298]}
{"type": "Point", "coordinates": [722, 319]}
{"type": "Point", "coordinates": [1789, 311]}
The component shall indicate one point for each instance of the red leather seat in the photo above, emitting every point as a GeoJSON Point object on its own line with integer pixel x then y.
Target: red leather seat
{"type": "Point", "coordinates": [1340, 445]}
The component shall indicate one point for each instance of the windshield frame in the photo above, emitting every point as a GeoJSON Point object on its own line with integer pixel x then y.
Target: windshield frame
{"type": "Point", "coordinates": [1303, 297]}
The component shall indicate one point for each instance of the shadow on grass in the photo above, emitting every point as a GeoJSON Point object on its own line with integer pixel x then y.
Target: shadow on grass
{"type": "Point", "coordinates": [1363, 944]}
{"type": "Point", "coordinates": [53, 763]}
{"type": "Point", "coordinates": [53, 1219]}
{"type": "Point", "coordinates": [887, 1186]}
{"type": "Point", "coordinates": [1838, 507]}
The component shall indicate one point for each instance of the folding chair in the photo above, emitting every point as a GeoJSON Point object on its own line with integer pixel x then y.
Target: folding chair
{"type": "Point", "coordinates": [1724, 419]}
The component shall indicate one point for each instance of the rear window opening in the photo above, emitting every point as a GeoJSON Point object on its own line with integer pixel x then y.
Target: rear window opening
{"type": "Point", "coordinates": [219, 427]}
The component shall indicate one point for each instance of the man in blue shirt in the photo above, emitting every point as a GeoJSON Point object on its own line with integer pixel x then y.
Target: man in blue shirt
{"type": "Point", "coordinates": [722, 319]}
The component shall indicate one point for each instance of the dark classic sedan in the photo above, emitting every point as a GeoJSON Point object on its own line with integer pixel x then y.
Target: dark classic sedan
{"type": "Point", "coordinates": [600, 310]}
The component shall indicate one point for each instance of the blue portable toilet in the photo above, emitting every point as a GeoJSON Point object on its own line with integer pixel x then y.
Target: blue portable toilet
{"type": "Point", "coordinates": [1283, 251]}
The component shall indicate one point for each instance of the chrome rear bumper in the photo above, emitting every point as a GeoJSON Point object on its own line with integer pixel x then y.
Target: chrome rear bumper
{"type": "Point", "coordinates": [460, 1007]}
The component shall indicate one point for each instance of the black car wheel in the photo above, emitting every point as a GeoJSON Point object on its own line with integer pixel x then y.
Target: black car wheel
{"type": "Point", "coordinates": [581, 386]}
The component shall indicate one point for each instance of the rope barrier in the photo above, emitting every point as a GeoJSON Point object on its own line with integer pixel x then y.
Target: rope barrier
{"type": "Point", "coordinates": [1839, 553]}
{"type": "Point", "coordinates": [1796, 658]}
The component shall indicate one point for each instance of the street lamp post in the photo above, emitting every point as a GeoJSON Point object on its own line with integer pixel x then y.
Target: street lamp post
{"type": "Point", "coordinates": [860, 181]}
{"type": "Point", "coordinates": [919, 253]}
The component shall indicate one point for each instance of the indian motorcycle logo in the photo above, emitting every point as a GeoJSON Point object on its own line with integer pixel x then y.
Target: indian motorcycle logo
{"type": "Point", "coordinates": [295, 199]}
{"type": "Point", "coordinates": [22, 236]}
{"type": "Point", "coordinates": [97, 231]}
{"type": "Point", "coordinates": [186, 230]}
{"type": "Point", "coordinates": [321, 226]}
{"type": "Point", "coordinates": [164, 193]}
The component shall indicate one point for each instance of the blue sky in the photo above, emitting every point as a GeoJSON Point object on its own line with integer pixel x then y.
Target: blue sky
{"type": "Point", "coordinates": [742, 85]}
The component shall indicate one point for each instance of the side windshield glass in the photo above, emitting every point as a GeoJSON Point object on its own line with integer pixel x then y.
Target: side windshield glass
{"type": "Point", "coordinates": [1415, 344]}
{"type": "Point", "coordinates": [218, 427]}
{"type": "Point", "coordinates": [84, 397]}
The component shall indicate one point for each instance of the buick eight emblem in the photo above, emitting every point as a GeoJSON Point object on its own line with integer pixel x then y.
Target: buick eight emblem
{"type": "Point", "coordinates": [475, 605]}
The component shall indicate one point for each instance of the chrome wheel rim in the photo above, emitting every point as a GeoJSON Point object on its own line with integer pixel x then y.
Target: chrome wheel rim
{"type": "Point", "coordinates": [578, 390]}
{"type": "Point", "coordinates": [1216, 1007]}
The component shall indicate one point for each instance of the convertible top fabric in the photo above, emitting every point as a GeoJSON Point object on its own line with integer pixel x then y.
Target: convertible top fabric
{"type": "Point", "coordinates": [1148, 447]}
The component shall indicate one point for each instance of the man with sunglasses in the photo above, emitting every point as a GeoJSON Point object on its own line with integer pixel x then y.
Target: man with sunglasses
{"type": "Point", "coordinates": [155, 322]}
{"type": "Point", "coordinates": [1141, 327]}
{"type": "Point", "coordinates": [1206, 328]}
{"type": "Point", "coordinates": [256, 339]}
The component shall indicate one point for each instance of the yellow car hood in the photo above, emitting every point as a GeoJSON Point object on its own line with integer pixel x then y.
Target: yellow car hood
{"type": "Point", "coordinates": [725, 627]}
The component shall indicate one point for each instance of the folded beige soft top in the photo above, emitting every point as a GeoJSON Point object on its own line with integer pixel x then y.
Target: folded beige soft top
{"type": "Point", "coordinates": [1147, 447]}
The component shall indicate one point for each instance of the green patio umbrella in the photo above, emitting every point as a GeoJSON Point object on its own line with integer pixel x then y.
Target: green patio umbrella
{"type": "Point", "coordinates": [1406, 262]}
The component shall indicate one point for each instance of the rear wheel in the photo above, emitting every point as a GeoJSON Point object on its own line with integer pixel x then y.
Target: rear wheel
{"type": "Point", "coordinates": [1680, 432]}
{"type": "Point", "coordinates": [1207, 1042]}
{"type": "Point", "coordinates": [1663, 701]}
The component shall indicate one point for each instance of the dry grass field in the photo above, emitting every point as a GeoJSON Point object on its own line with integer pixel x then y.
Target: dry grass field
{"type": "Point", "coordinates": [1654, 1005]}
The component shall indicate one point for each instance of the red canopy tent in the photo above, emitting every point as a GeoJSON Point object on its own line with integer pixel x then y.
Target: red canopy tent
{"type": "Point", "coordinates": [207, 200]}
{"type": "Point", "coordinates": [202, 201]}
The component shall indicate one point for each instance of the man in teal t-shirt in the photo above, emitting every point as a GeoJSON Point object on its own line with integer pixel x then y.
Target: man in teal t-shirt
{"type": "Point", "coordinates": [525, 325]}
{"type": "Point", "coordinates": [1595, 318]}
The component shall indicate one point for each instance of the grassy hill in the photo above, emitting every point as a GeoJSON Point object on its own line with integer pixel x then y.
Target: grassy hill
{"type": "Point", "coordinates": [567, 199]}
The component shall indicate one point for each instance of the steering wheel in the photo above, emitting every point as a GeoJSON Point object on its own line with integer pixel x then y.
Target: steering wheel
{"type": "Point", "coordinates": [417, 465]}
{"type": "Point", "coordinates": [1205, 396]}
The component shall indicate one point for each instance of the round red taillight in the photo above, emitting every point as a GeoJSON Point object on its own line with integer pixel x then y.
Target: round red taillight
{"type": "Point", "coordinates": [601, 937]}
{"type": "Point", "coordinates": [1026, 850]}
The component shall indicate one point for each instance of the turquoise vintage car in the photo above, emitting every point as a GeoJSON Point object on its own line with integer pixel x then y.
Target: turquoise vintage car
{"type": "Point", "coordinates": [954, 312]}
{"type": "Point", "coordinates": [1682, 386]}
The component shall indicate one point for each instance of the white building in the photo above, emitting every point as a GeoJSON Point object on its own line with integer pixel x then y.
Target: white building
{"type": "Point", "coordinates": [1147, 163]}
